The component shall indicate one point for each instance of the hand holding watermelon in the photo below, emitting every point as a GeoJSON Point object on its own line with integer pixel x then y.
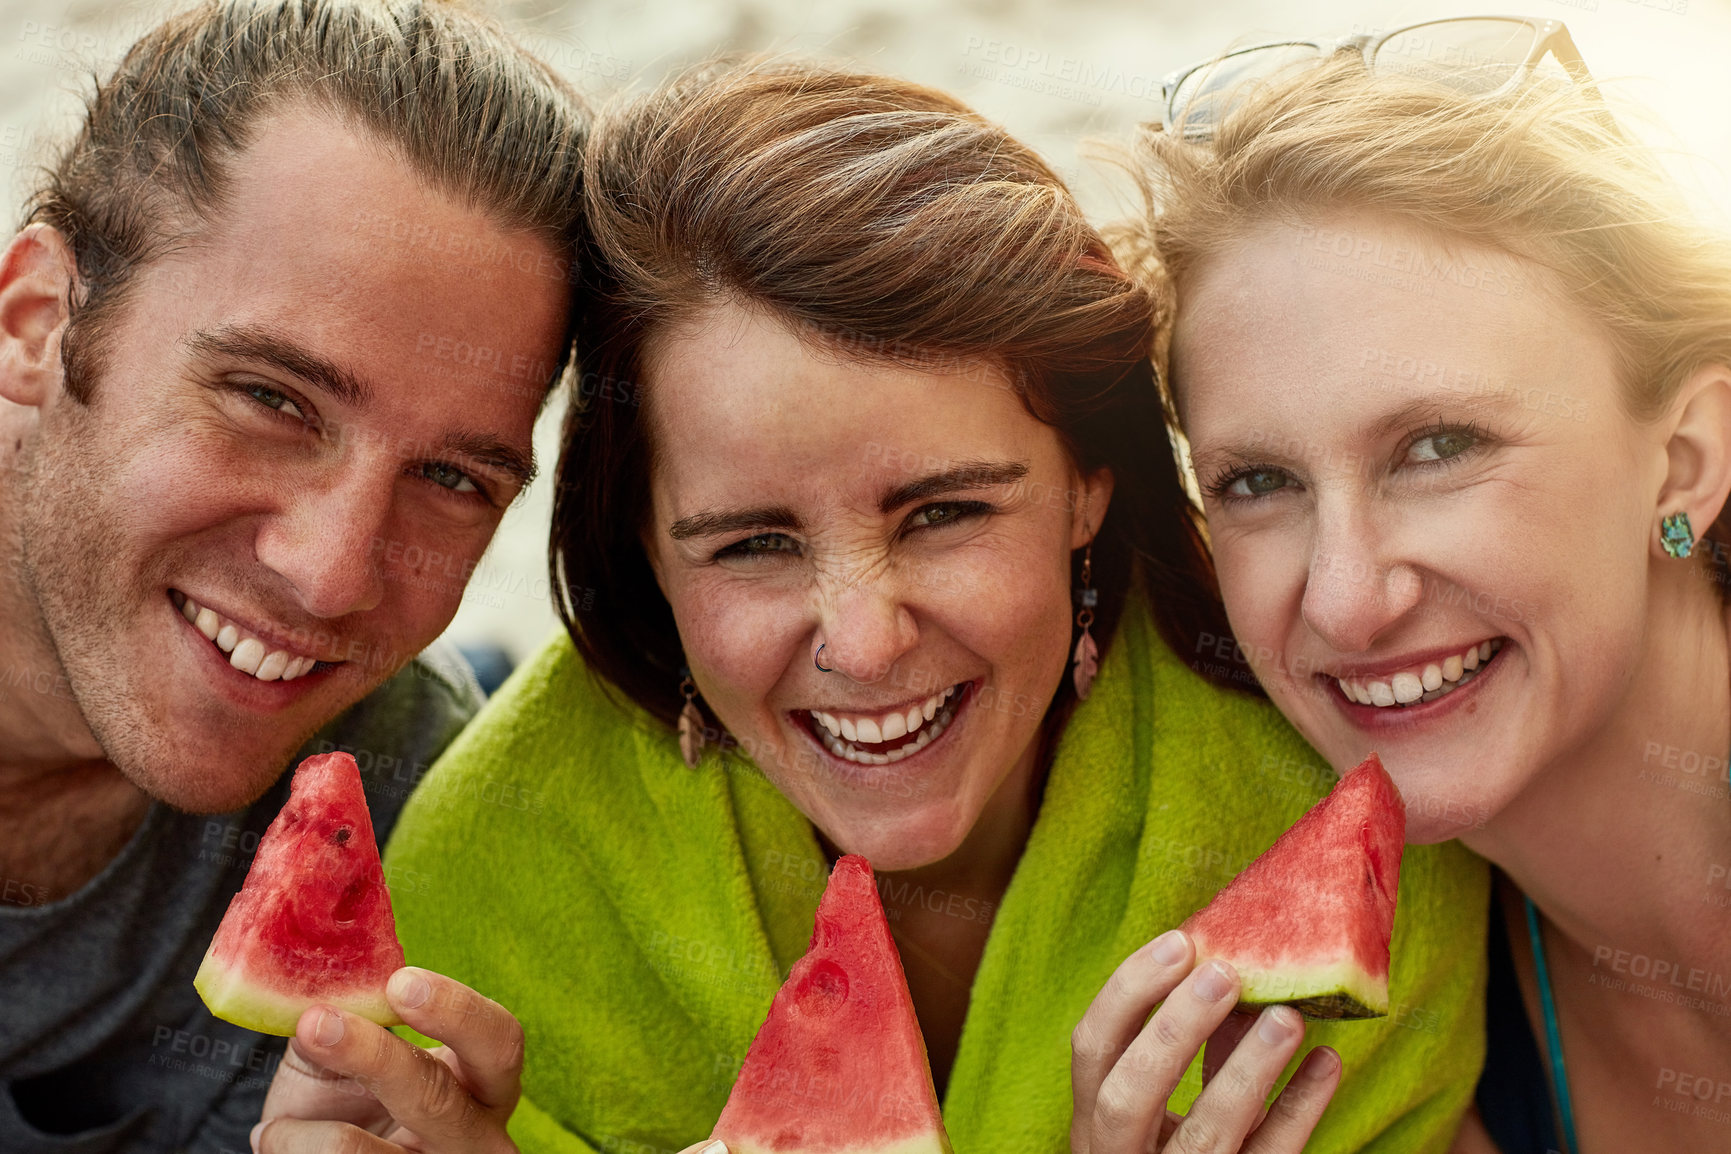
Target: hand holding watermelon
{"type": "Point", "coordinates": [1305, 928]}
{"type": "Point", "coordinates": [343, 1073]}
{"type": "Point", "coordinates": [1125, 1065]}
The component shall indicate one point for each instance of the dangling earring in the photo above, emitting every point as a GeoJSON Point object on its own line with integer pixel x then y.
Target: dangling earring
{"type": "Point", "coordinates": [1675, 535]}
{"type": "Point", "coordinates": [1087, 656]}
{"type": "Point", "coordinates": [690, 722]}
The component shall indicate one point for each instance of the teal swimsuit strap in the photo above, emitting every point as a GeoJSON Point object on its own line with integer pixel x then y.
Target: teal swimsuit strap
{"type": "Point", "coordinates": [1553, 1039]}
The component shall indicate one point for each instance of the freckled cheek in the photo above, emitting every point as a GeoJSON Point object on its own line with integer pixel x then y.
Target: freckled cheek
{"type": "Point", "coordinates": [1014, 613]}
{"type": "Point", "coordinates": [738, 641]}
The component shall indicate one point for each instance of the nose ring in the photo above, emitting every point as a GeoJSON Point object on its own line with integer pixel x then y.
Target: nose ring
{"type": "Point", "coordinates": [821, 667]}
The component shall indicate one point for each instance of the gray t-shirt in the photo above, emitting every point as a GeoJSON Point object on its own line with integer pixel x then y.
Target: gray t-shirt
{"type": "Point", "coordinates": [104, 1043]}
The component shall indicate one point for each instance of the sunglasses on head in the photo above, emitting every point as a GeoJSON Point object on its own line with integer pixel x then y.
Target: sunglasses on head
{"type": "Point", "coordinates": [1482, 55]}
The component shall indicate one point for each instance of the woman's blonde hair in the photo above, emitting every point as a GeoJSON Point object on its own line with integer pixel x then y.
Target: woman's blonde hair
{"type": "Point", "coordinates": [1543, 173]}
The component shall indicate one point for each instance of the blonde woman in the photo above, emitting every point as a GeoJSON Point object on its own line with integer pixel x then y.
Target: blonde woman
{"type": "Point", "coordinates": [1453, 367]}
{"type": "Point", "coordinates": [860, 489]}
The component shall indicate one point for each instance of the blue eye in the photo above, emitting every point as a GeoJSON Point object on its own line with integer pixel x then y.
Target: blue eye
{"type": "Point", "coordinates": [272, 399]}
{"type": "Point", "coordinates": [447, 477]}
{"type": "Point", "coordinates": [1252, 483]}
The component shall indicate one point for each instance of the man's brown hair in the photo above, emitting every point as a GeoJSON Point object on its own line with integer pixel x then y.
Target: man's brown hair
{"type": "Point", "coordinates": [881, 221]}
{"type": "Point", "coordinates": [447, 91]}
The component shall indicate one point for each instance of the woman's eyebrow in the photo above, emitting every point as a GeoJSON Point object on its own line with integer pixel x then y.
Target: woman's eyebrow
{"type": "Point", "coordinates": [711, 522]}
{"type": "Point", "coordinates": [1263, 447]}
{"type": "Point", "coordinates": [966, 475]}
{"type": "Point", "coordinates": [1456, 403]}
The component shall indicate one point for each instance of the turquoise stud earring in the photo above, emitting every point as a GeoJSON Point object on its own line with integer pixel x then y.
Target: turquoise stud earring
{"type": "Point", "coordinates": [1675, 535]}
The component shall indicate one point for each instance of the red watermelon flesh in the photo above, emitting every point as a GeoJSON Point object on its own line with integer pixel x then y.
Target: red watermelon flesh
{"type": "Point", "coordinates": [1308, 923]}
{"type": "Point", "coordinates": [839, 1067]}
{"type": "Point", "coordinates": [313, 922]}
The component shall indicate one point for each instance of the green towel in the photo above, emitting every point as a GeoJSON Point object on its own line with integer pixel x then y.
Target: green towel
{"type": "Point", "coordinates": [638, 916]}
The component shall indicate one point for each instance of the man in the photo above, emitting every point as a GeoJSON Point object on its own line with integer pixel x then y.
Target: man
{"type": "Point", "coordinates": [272, 344]}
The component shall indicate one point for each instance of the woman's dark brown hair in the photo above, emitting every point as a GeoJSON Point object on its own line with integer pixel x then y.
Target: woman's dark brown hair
{"type": "Point", "coordinates": [883, 221]}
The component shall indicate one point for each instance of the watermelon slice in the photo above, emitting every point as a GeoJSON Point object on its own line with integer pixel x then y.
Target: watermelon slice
{"type": "Point", "coordinates": [840, 1066]}
{"type": "Point", "coordinates": [313, 922]}
{"type": "Point", "coordinates": [1308, 923]}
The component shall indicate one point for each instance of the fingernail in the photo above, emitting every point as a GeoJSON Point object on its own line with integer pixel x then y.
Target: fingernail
{"type": "Point", "coordinates": [1169, 948]}
{"type": "Point", "coordinates": [253, 1137]}
{"type": "Point", "coordinates": [715, 1147]}
{"type": "Point", "coordinates": [409, 988]}
{"type": "Point", "coordinates": [1323, 1062]}
{"type": "Point", "coordinates": [330, 1030]}
{"type": "Point", "coordinates": [1277, 1024]}
{"type": "Point", "coordinates": [1213, 983]}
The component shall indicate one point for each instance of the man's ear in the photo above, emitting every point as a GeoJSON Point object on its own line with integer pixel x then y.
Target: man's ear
{"type": "Point", "coordinates": [1091, 509]}
{"type": "Point", "coordinates": [37, 274]}
{"type": "Point", "coordinates": [1698, 453]}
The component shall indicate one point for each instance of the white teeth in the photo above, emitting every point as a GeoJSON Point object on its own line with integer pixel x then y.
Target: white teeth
{"type": "Point", "coordinates": [247, 655]}
{"type": "Point", "coordinates": [1407, 688]}
{"type": "Point", "coordinates": [941, 716]}
{"type": "Point", "coordinates": [1427, 684]}
{"type": "Point", "coordinates": [889, 727]}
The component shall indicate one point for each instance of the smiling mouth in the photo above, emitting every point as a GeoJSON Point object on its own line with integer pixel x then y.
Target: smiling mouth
{"type": "Point", "coordinates": [243, 650]}
{"type": "Point", "coordinates": [879, 739]}
{"type": "Point", "coordinates": [1423, 684]}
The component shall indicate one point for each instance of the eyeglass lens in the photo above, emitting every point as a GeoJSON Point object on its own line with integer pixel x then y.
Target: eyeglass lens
{"type": "Point", "coordinates": [1477, 55]}
{"type": "Point", "coordinates": [1193, 101]}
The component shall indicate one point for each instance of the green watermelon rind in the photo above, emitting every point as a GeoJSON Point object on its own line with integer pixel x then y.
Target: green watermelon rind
{"type": "Point", "coordinates": [1319, 993]}
{"type": "Point", "coordinates": [934, 1143]}
{"type": "Point", "coordinates": [230, 996]}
